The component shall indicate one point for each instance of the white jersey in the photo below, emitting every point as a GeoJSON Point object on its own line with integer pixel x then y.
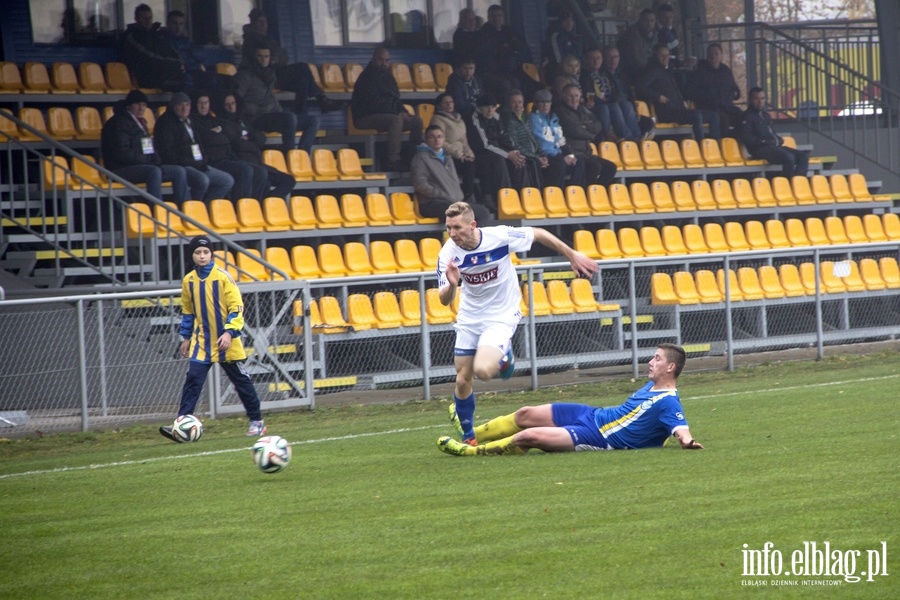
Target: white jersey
{"type": "Point", "coordinates": [489, 284]}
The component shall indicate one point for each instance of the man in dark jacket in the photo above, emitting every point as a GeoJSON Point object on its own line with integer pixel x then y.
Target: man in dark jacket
{"type": "Point", "coordinates": [713, 88]}
{"type": "Point", "coordinates": [127, 149]}
{"type": "Point", "coordinates": [465, 87]}
{"type": "Point", "coordinates": [759, 137]}
{"type": "Point", "coordinates": [196, 74]}
{"type": "Point", "coordinates": [581, 127]}
{"type": "Point", "coordinates": [177, 143]}
{"type": "Point", "coordinates": [498, 164]}
{"type": "Point", "coordinates": [248, 143]}
{"type": "Point", "coordinates": [604, 97]}
{"type": "Point", "coordinates": [498, 52]}
{"type": "Point", "coordinates": [376, 105]}
{"type": "Point", "coordinates": [149, 56]}
{"type": "Point", "coordinates": [657, 85]}
{"type": "Point", "coordinates": [636, 46]}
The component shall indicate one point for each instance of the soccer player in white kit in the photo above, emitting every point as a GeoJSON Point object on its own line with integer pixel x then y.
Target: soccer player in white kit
{"type": "Point", "coordinates": [479, 258]}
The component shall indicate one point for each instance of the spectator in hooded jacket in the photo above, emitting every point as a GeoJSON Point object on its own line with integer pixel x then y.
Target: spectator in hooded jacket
{"type": "Point", "coordinates": [465, 87]}
{"type": "Point", "coordinates": [713, 88]}
{"type": "Point", "coordinates": [250, 181]}
{"type": "Point", "coordinates": [248, 143]}
{"type": "Point", "coordinates": [456, 142]}
{"type": "Point", "coordinates": [177, 143]}
{"type": "Point", "coordinates": [497, 161]}
{"type": "Point", "coordinates": [127, 149]}
{"type": "Point", "coordinates": [149, 56]}
{"type": "Point", "coordinates": [561, 159]}
{"type": "Point", "coordinates": [376, 105]}
{"type": "Point", "coordinates": [581, 127]}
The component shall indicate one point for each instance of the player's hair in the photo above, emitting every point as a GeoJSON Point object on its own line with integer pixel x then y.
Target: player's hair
{"type": "Point", "coordinates": [460, 209]}
{"type": "Point", "coordinates": [674, 354]}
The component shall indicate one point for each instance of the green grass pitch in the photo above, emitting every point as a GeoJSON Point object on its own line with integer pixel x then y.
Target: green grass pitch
{"type": "Point", "coordinates": [369, 508]}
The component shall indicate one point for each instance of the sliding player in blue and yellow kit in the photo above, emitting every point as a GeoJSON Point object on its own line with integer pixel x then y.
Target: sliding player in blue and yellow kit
{"type": "Point", "coordinates": [211, 322]}
{"type": "Point", "coordinates": [645, 420]}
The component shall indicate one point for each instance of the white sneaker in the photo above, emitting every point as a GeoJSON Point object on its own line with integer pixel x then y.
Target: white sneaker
{"type": "Point", "coordinates": [257, 429]}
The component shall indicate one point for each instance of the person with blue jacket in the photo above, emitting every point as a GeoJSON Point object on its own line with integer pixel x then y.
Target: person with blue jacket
{"type": "Point", "coordinates": [548, 133]}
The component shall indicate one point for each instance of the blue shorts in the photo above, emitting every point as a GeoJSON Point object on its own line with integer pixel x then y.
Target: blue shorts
{"type": "Point", "coordinates": [578, 420]}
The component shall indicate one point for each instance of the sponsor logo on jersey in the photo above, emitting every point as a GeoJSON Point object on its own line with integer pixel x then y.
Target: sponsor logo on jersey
{"type": "Point", "coordinates": [479, 278]}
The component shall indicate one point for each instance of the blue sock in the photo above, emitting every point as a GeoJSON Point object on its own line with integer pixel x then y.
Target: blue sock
{"type": "Point", "coordinates": [465, 410]}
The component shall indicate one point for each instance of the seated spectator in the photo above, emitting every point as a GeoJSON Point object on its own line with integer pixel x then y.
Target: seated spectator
{"type": "Point", "coordinates": [581, 127]}
{"type": "Point", "coordinates": [623, 96]}
{"type": "Point", "coordinates": [127, 149]}
{"type": "Point", "coordinates": [601, 94]}
{"type": "Point", "coordinates": [713, 88]}
{"type": "Point", "coordinates": [497, 162]}
{"type": "Point", "coordinates": [196, 75]}
{"type": "Point", "coordinates": [376, 105]}
{"type": "Point", "coordinates": [498, 54]}
{"type": "Point", "coordinates": [666, 34]}
{"type": "Point", "coordinates": [569, 73]}
{"type": "Point", "coordinates": [514, 121]}
{"type": "Point", "coordinates": [456, 142]}
{"type": "Point", "coordinates": [178, 144]}
{"type": "Point", "coordinates": [759, 137]}
{"type": "Point", "coordinates": [435, 180]}
{"type": "Point", "coordinates": [658, 85]}
{"type": "Point", "coordinates": [250, 181]}
{"type": "Point", "coordinates": [464, 36]}
{"type": "Point", "coordinates": [636, 46]}
{"type": "Point", "coordinates": [149, 56]}
{"type": "Point", "coordinates": [560, 40]}
{"type": "Point", "coordinates": [248, 143]}
{"type": "Point", "coordinates": [548, 132]}
{"type": "Point", "coordinates": [255, 83]}
{"type": "Point", "coordinates": [465, 87]}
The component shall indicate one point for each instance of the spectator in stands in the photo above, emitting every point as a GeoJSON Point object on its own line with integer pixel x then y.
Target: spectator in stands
{"type": "Point", "coordinates": [622, 95]}
{"type": "Point", "coordinates": [178, 144]}
{"type": "Point", "coordinates": [465, 87]}
{"type": "Point", "coordinates": [569, 73]}
{"type": "Point", "coordinates": [498, 54]}
{"type": "Point", "coordinates": [255, 83]}
{"type": "Point", "coordinates": [560, 41]}
{"type": "Point", "coordinates": [658, 85]}
{"type": "Point", "coordinates": [581, 127]}
{"type": "Point", "coordinates": [456, 142]}
{"type": "Point", "coordinates": [601, 93]}
{"type": "Point", "coordinates": [515, 123]}
{"type": "Point", "coordinates": [759, 137]}
{"type": "Point", "coordinates": [665, 32]}
{"type": "Point", "coordinates": [250, 181]}
{"type": "Point", "coordinates": [376, 105]}
{"type": "Point", "coordinates": [636, 46]}
{"type": "Point", "coordinates": [149, 56]}
{"type": "Point", "coordinates": [435, 180]}
{"type": "Point", "coordinates": [248, 143]}
{"type": "Point", "coordinates": [196, 75]}
{"type": "Point", "coordinates": [561, 159]}
{"type": "Point", "coordinates": [713, 88]}
{"type": "Point", "coordinates": [497, 161]}
{"type": "Point", "coordinates": [464, 36]}
{"type": "Point", "coordinates": [127, 149]}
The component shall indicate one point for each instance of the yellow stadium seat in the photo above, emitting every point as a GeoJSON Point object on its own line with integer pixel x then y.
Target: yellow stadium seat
{"type": "Point", "coordinates": [731, 152]}
{"type": "Point", "coordinates": [582, 294]}
{"type": "Point", "coordinates": [140, 221]}
{"type": "Point", "coordinates": [707, 288]}
{"type": "Point", "coordinates": [280, 259]}
{"type": "Point", "coordinates": [890, 272]}
{"type": "Point", "coordinates": [356, 257]}
{"type": "Point", "coordinates": [325, 165]}
{"type": "Point", "coordinates": [662, 291]}
{"type": "Point", "coordinates": [169, 221]}
{"type": "Point", "coordinates": [88, 177]}
{"type": "Point", "coordinates": [298, 164]}
{"type": "Point", "coordinates": [403, 77]}
{"type": "Point", "coordinates": [425, 110]}
{"type": "Point", "coordinates": [361, 313]}
{"type": "Point", "coordinates": [608, 244]}
{"type": "Point", "coordinates": [328, 212]}
{"type": "Point", "coordinates": [353, 211]}
{"type": "Point", "coordinates": [275, 159]}
{"type": "Point", "coordinates": [682, 196]}
{"type": "Point", "coordinates": [694, 240]}
{"type": "Point", "coordinates": [333, 315]}
{"type": "Point", "coordinates": [60, 123]}
{"type": "Point", "coordinates": [831, 284]}
{"type": "Point", "coordinates": [640, 198]}
{"type": "Point", "coordinates": [423, 78]}
{"type": "Point", "coordinates": [306, 265]}
{"type": "Point", "coordinates": [770, 283]}
{"type": "Point", "coordinates": [351, 74]}
{"type": "Point", "coordinates": [435, 312]}
{"type": "Point", "coordinates": [90, 76]}
{"type": "Point", "coordinates": [555, 203]}
{"type": "Point", "coordinates": [378, 211]}
{"type": "Point", "coordinates": [874, 228]}
{"type": "Point", "coordinates": [387, 310]}
{"type": "Point", "coordinates": [642, 109]}
{"type": "Point", "coordinates": [734, 289]}
{"type": "Point", "coordinates": [859, 188]}
{"type": "Point", "coordinates": [735, 237]}
{"type": "Point", "coordinates": [712, 154]}
{"type": "Point", "coordinates": [853, 281]}
{"type": "Point", "coordinates": [815, 231]}
{"type": "Point", "coordinates": [533, 203]}
{"type": "Point", "coordinates": [585, 242]}
{"type": "Point", "coordinates": [541, 302]}
{"type": "Point", "coordinates": [250, 216]}
{"type": "Point", "coordinates": [834, 230]}
{"type": "Point", "coordinates": [690, 152]}
{"type": "Point", "coordinates": [118, 79]}
{"type": "Point", "coordinates": [34, 118]}
{"type": "Point", "coordinates": [405, 210]}
{"type": "Point", "coordinates": [250, 268]}
{"type": "Point", "coordinates": [331, 260]}
{"type": "Point", "coordinates": [673, 240]}
{"type": "Point", "coordinates": [275, 214]}
{"type": "Point", "coordinates": [223, 216]}
{"type": "Point", "coordinates": [743, 193]}
{"type": "Point", "coordinates": [442, 72]}
{"type": "Point", "coordinates": [598, 200]}
{"type": "Point", "coordinates": [620, 199]}
{"type": "Point", "coordinates": [332, 78]}
{"type": "Point", "coordinates": [630, 243]}
{"type": "Point", "coordinates": [226, 68]}
{"type": "Point", "coordinates": [10, 78]}
{"type": "Point", "coordinates": [671, 154]}
{"type": "Point", "coordinates": [576, 201]}
{"type": "Point", "coordinates": [840, 188]}
{"type": "Point", "coordinates": [559, 298]}
{"type": "Point", "coordinates": [87, 123]}
{"type": "Point", "coordinates": [685, 288]}
{"type": "Point", "coordinates": [891, 223]}
{"type": "Point", "coordinates": [651, 156]}
{"type": "Point", "coordinates": [532, 71]}
{"type": "Point", "coordinates": [54, 170]}
{"type": "Point", "coordinates": [610, 151]}
{"type": "Point", "coordinates": [784, 192]}
{"type": "Point", "coordinates": [662, 197]}
{"type": "Point", "coordinates": [714, 235]}
{"type": "Point", "coordinates": [755, 233]}
{"type": "Point", "coordinates": [722, 194]}
{"type": "Point", "coordinates": [631, 156]}
{"type": "Point", "coordinates": [856, 232]}
{"type": "Point", "coordinates": [802, 190]}
{"type": "Point", "coordinates": [225, 260]}
{"type": "Point", "coordinates": [508, 205]}
{"type": "Point", "coordinates": [410, 308]}
{"type": "Point", "coordinates": [197, 210]}
{"type": "Point", "coordinates": [788, 141]}
{"type": "Point", "coordinates": [36, 79]}
{"type": "Point", "coordinates": [303, 216]}
{"type": "Point", "coordinates": [796, 233]}
{"type": "Point", "coordinates": [429, 248]}
{"type": "Point", "coordinates": [821, 189]}
{"type": "Point", "coordinates": [703, 197]}
{"type": "Point", "coordinates": [407, 255]}
{"type": "Point", "coordinates": [651, 242]}
{"type": "Point", "coordinates": [789, 277]}
{"type": "Point", "coordinates": [381, 255]}
{"type": "Point", "coordinates": [762, 191]}
{"type": "Point", "coordinates": [871, 275]}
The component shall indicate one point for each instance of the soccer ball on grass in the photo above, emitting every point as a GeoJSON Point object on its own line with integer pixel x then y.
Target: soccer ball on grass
{"type": "Point", "coordinates": [187, 428]}
{"type": "Point", "coordinates": [271, 453]}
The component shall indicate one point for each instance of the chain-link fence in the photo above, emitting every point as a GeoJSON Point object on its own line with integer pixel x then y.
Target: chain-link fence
{"type": "Point", "coordinates": [86, 362]}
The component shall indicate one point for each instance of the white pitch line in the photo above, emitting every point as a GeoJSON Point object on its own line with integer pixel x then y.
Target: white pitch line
{"type": "Point", "coordinates": [124, 463]}
{"type": "Point", "coordinates": [793, 387]}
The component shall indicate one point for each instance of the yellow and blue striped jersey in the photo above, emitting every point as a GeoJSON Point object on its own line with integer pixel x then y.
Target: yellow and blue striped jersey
{"type": "Point", "coordinates": [210, 306]}
{"type": "Point", "coordinates": [645, 420]}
